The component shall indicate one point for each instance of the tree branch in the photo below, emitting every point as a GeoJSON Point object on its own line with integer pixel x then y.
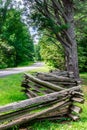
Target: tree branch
{"type": "Point", "coordinates": [54, 42]}
{"type": "Point", "coordinates": [59, 8]}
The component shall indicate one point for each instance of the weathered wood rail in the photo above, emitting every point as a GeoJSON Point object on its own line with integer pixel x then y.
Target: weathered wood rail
{"type": "Point", "coordinates": [50, 97]}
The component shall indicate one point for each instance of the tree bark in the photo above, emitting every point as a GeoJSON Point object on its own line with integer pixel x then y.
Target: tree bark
{"type": "Point", "coordinates": [61, 12]}
{"type": "Point", "coordinates": [44, 83]}
{"type": "Point", "coordinates": [39, 99]}
{"type": "Point", "coordinates": [71, 53]}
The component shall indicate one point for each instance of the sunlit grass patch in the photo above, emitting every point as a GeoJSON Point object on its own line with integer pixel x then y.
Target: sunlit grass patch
{"type": "Point", "coordinates": [10, 86]}
{"type": "Point", "coordinates": [10, 89]}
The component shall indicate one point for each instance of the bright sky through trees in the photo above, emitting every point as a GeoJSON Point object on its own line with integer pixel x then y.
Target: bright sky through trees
{"type": "Point", "coordinates": [32, 31]}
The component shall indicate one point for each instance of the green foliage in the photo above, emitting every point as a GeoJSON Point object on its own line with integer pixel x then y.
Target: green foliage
{"type": "Point", "coordinates": [17, 36]}
{"type": "Point", "coordinates": [81, 33]}
{"type": "Point", "coordinates": [82, 52]}
{"type": "Point", "coordinates": [7, 55]}
{"type": "Point", "coordinates": [51, 53]}
{"type": "Point", "coordinates": [42, 22]}
{"type": "Point", "coordinates": [37, 52]}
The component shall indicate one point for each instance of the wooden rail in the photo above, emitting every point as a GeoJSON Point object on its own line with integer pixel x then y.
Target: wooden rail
{"type": "Point", "coordinates": [46, 101]}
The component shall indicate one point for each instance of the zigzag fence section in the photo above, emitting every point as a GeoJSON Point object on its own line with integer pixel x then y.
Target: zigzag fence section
{"type": "Point", "coordinates": [53, 95]}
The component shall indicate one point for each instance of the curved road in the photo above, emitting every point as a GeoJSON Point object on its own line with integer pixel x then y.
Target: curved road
{"type": "Point", "coordinates": [17, 70]}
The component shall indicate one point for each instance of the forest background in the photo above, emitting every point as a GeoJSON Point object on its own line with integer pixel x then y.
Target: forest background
{"type": "Point", "coordinates": [17, 45]}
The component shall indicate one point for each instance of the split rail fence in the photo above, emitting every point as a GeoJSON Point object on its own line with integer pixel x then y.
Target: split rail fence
{"type": "Point", "coordinates": [51, 96]}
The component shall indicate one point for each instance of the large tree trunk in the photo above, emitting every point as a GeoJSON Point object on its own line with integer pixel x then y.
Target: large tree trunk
{"type": "Point", "coordinates": [59, 13]}
{"type": "Point", "coordinates": [71, 53]}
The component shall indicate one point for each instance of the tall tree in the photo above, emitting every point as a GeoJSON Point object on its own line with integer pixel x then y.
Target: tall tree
{"type": "Point", "coordinates": [3, 11]}
{"type": "Point", "coordinates": [17, 35]}
{"type": "Point", "coordinates": [57, 16]}
{"type": "Point", "coordinates": [14, 35]}
{"type": "Point", "coordinates": [81, 34]}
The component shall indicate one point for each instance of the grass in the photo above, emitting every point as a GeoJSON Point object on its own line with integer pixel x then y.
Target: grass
{"type": "Point", "coordinates": [10, 87]}
{"type": "Point", "coordinates": [67, 125]}
{"type": "Point", "coordinates": [39, 69]}
{"type": "Point", "coordinates": [26, 64]}
{"type": "Point", "coordinates": [10, 91]}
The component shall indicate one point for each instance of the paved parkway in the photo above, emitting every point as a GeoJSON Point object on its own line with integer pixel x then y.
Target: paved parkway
{"type": "Point", "coordinates": [17, 70]}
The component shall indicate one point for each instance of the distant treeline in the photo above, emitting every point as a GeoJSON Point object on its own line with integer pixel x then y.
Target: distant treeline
{"type": "Point", "coordinates": [16, 43]}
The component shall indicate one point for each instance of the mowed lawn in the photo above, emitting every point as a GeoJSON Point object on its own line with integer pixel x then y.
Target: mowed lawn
{"type": "Point", "coordinates": [10, 86]}
{"type": "Point", "coordinates": [10, 91]}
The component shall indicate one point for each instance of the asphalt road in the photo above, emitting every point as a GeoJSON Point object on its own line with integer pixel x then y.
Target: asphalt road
{"type": "Point", "coordinates": [17, 70]}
